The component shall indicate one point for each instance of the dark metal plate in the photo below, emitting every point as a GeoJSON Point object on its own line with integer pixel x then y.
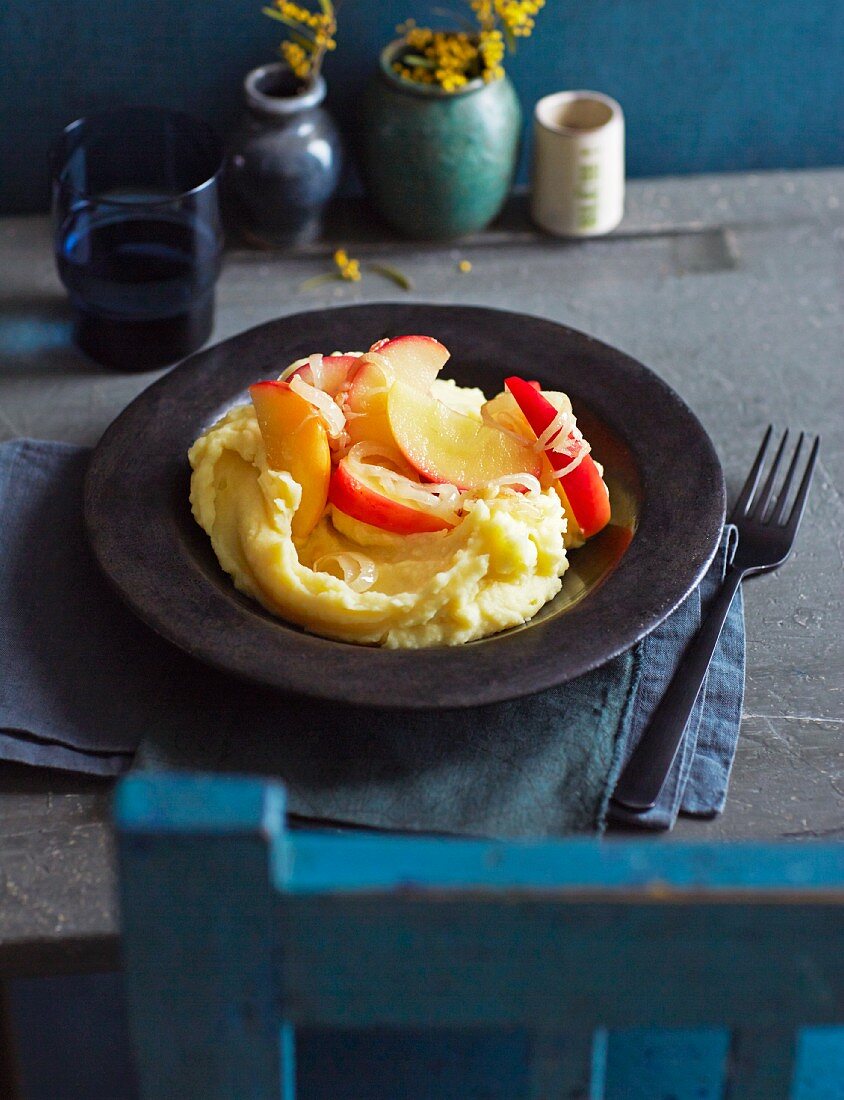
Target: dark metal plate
{"type": "Point", "coordinates": [666, 489]}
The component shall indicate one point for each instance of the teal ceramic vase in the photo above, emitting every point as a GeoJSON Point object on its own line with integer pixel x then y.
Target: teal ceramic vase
{"type": "Point", "coordinates": [438, 164]}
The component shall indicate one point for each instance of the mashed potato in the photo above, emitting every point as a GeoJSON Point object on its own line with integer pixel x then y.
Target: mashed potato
{"type": "Point", "coordinates": [495, 569]}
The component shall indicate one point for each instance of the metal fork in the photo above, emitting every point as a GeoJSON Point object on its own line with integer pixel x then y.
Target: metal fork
{"type": "Point", "coordinates": [766, 538]}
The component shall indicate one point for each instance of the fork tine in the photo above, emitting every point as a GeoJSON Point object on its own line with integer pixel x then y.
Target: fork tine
{"type": "Point", "coordinates": [782, 496]}
{"type": "Point", "coordinates": [749, 487]}
{"type": "Point", "coordinates": [761, 502]}
{"type": "Point", "coordinates": [803, 491]}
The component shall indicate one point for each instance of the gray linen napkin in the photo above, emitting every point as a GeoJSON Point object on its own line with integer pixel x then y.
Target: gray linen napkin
{"type": "Point", "coordinates": [83, 684]}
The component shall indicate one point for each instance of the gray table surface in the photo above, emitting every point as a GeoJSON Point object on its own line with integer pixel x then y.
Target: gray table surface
{"type": "Point", "coordinates": [728, 286]}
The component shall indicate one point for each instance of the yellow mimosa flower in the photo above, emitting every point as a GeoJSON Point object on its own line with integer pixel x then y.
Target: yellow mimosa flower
{"type": "Point", "coordinates": [312, 35]}
{"type": "Point", "coordinates": [453, 58]}
{"type": "Point", "coordinates": [348, 268]}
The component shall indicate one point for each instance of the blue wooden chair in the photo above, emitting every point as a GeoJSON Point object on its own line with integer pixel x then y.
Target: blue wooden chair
{"type": "Point", "coordinates": [242, 936]}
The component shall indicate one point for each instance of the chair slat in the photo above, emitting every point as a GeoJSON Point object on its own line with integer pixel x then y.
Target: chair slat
{"type": "Point", "coordinates": [327, 864]}
{"type": "Point", "coordinates": [531, 960]}
{"type": "Point", "coordinates": [195, 904]}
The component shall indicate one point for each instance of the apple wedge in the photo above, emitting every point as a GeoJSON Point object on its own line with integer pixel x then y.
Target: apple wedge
{"type": "Point", "coordinates": [447, 446]}
{"type": "Point", "coordinates": [414, 360]}
{"type": "Point", "coordinates": [366, 405]}
{"type": "Point", "coordinates": [362, 499]}
{"type": "Point", "coordinates": [583, 492]}
{"type": "Point", "coordinates": [295, 440]}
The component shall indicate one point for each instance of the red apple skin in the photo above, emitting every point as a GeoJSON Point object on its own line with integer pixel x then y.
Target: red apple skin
{"type": "Point", "coordinates": [340, 369]}
{"type": "Point", "coordinates": [351, 495]}
{"type": "Point", "coordinates": [584, 488]}
{"type": "Point", "coordinates": [404, 351]}
{"type": "Point", "coordinates": [588, 496]}
{"type": "Point", "coordinates": [574, 535]}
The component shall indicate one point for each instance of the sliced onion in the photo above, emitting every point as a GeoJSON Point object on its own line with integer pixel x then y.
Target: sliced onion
{"type": "Point", "coordinates": [294, 366]}
{"type": "Point", "coordinates": [562, 424]}
{"type": "Point", "coordinates": [568, 444]}
{"type": "Point", "coordinates": [575, 462]}
{"type": "Point", "coordinates": [527, 482]}
{"type": "Point", "coordinates": [575, 448]}
{"type": "Point", "coordinates": [359, 571]}
{"type": "Point", "coordinates": [315, 363]}
{"type": "Point", "coordinates": [563, 437]}
{"type": "Point", "coordinates": [504, 423]}
{"type": "Point", "coordinates": [339, 445]}
{"type": "Point", "coordinates": [402, 487]}
{"type": "Point", "coordinates": [332, 415]}
{"type": "Point", "coordinates": [364, 450]}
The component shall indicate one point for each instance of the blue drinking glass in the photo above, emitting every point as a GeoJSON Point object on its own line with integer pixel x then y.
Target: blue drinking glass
{"type": "Point", "coordinates": [137, 231]}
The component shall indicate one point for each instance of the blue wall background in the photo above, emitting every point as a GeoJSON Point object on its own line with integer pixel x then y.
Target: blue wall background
{"type": "Point", "coordinates": [706, 85]}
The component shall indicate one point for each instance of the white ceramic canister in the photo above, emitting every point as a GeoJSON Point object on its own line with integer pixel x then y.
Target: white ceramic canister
{"type": "Point", "coordinates": [578, 164]}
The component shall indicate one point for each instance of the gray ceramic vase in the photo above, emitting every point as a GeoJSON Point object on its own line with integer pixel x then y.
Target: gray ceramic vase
{"type": "Point", "coordinates": [438, 164]}
{"type": "Point", "coordinates": [284, 159]}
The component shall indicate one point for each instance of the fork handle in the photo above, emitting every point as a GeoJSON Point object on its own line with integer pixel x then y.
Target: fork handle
{"type": "Point", "coordinates": [645, 772]}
